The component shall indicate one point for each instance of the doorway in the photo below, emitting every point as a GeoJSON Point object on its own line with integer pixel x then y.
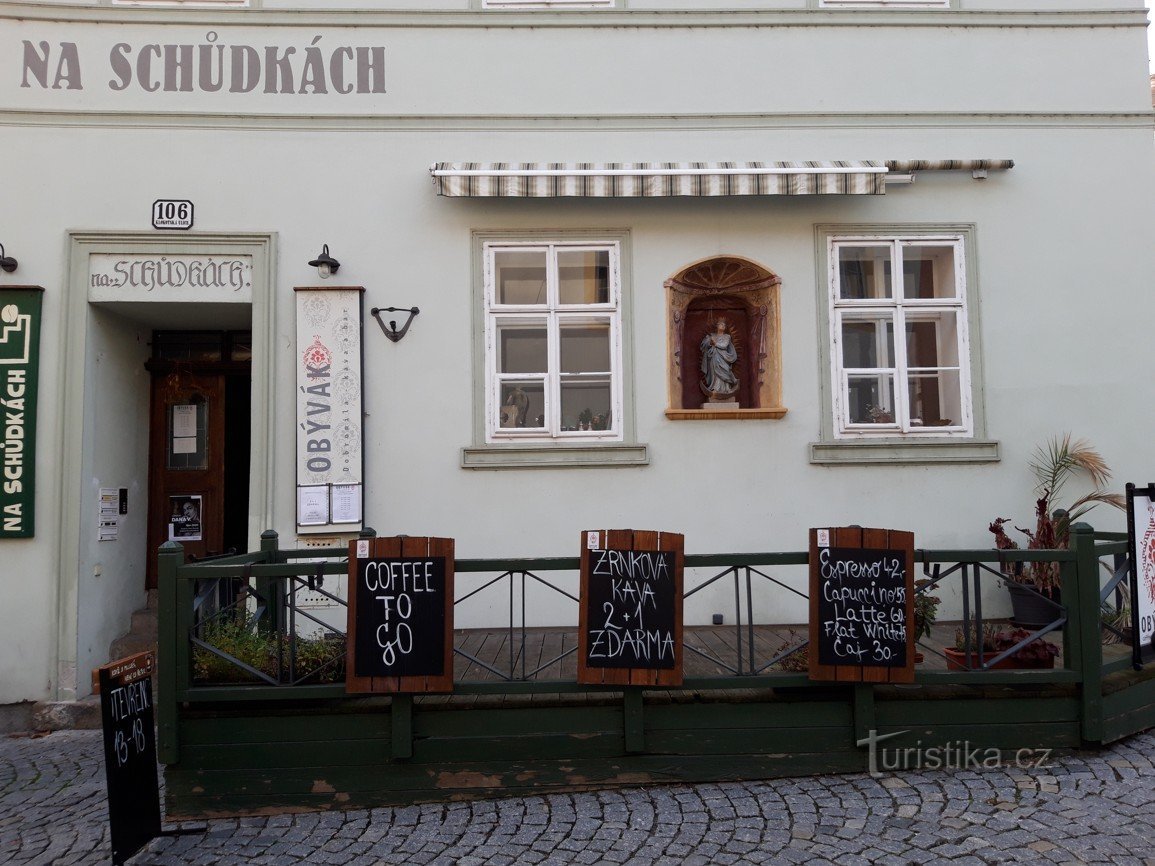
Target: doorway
{"type": "Point", "coordinates": [199, 442]}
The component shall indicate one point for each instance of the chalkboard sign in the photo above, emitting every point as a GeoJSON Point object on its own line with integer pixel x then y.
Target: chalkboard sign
{"type": "Point", "coordinates": [130, 754]}
{"type": "Point", "coordinates": [861, 605]}
{"type": "Point", "coordinates": [630, 616]}
{"type": "Point", "coordinates": [400, 634]}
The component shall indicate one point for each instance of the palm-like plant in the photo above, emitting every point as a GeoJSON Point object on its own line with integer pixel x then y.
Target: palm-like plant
{"type": "Point", "coordinates": [1053, 464]}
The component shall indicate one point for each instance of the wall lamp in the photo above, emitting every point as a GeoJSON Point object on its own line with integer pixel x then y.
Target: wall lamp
{"type": "Point", "coordinates": [7, 263]}
{"type": "Point", "coordinates": [325, 264]}
{"type": "Point", "coordinates": [391, 330]}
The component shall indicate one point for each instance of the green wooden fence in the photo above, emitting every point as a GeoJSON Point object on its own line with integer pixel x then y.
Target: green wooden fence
{"type": "Point", "coordinates": [283, 742]}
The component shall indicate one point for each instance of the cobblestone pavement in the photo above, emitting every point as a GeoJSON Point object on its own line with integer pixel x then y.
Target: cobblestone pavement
{"type": "Point", "coordinates": [1084, 807]}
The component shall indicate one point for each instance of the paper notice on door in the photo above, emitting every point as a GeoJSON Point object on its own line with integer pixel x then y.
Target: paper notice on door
{"type": "Point", "coordinates": [184, 421]}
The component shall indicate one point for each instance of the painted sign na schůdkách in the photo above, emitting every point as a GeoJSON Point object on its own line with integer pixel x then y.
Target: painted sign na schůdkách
{"type": "Point", "coordinates": [19, 380]}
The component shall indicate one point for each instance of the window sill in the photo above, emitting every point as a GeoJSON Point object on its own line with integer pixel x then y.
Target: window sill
{"type": "Point", "coordinates": [775, 413]}
{"type": "Point", "coordinates": [899, 451]}
{"type": "Point", "coordinates": [553, 456]}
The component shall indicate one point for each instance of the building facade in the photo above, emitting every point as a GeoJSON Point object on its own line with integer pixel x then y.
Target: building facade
{"type": "Point", "coordinates": [726, 272]}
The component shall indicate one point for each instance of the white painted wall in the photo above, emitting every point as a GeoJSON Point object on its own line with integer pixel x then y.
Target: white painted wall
{"type": "Point", "coordinates": [111, 574]}
{"type": "Point", "coordinates": [1063, 267]}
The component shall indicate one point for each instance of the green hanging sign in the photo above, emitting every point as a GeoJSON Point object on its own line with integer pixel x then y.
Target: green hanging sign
{"type": "Point", "coordinates": [19, 377]}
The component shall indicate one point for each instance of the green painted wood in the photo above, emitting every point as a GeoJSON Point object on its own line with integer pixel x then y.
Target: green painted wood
{"type": "Point", "coordinates": [1084, 629]}
{"type": "Point", "coordinates": [977, 712]}
{"type": "Point", "coordinates": [703, 716]}
{"type": "Point", "coordinates": [401, 725]}
{"type": "Point", "coordinates": [864, 710]}
{"type": "Point", "coordinates": [634, 720]}
{"type": "Point", "coordinates": [170, 556]}
{"type": "Point", "coordinates": [191, 794]}
{"type": "Point", "coordinates": [1009, 735]}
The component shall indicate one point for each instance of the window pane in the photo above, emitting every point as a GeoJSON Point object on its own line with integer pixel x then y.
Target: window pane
{"type": "Point", "coordinates": [864, 272]}
{"type": "Point", "coordinates": [520, 276]}
{"type": "Point", "coordinates": [583, 276]}
{"type": "Point", "coordinates": [870, 399]}
{"type": "Point", "coordinates": [522, 405]}
{"type": "Point", "coordinates": [585, 348]}
{"type": "Point", "coordinates": [522, 349]}
{"type": "Point", "coordinates": [585, 405]}
{"type": "Point", "coordinates": [935, 399]}
{"type": "Point", "coordinates": [928, 272]}
{"type": "Point", "coordinates": [932, 340]}
{"type": "Point", "coordinates": [867, 342]}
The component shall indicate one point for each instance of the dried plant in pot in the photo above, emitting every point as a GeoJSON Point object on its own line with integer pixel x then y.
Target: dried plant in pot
{"type": "Point", "coordinates": [992, 641]}
{"type": "Point", "coordinates": [1035, 588]}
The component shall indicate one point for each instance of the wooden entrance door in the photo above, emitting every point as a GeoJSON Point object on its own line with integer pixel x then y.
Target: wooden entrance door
{"type": "Point", "coordinates": [198, 443]}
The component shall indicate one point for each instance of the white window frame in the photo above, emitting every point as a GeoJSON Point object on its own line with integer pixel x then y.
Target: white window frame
{"type": "Point", "coordinates": [898, 309]}
{"type": "Point", "coordinates": [553, 314]}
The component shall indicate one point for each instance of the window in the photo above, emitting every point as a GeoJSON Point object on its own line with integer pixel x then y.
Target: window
{"type": "Point", "coordinates": [553, 342]}
{"type": "Point", "coordinates": [899, 355]}
{"type": "Point", "coordinates": [884, 4]}
{"type": "Point", "coordinates": [548, 4]}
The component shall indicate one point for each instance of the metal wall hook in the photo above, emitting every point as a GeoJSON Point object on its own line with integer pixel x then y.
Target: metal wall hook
{"type": "Point", "coordinates": [7, 263]}
{"type": "Point", "coordinates": [391, 330]}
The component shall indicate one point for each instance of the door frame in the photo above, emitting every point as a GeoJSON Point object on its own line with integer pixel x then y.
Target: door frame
{"type": "Point", "coordinates": [73, 509]}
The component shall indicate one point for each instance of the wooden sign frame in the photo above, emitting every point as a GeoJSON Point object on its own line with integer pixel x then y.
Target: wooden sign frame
{"type": "Point", "coordinates": [399, 547]}
{"type": "Point", "coordinates": [865, 539]}
{"type": "Point", "coordinates": [594, 541]}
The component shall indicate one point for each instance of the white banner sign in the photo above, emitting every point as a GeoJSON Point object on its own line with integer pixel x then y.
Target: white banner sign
{"type": "Point", "coordinates": [329, 460]}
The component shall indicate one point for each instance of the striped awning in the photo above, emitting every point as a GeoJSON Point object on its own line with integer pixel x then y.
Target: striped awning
{"type": "Point", "coordinates": [657, 179]}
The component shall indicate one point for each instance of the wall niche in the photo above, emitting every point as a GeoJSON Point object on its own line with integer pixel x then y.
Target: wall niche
{"type": "Point", "coordinates": [745, 295]}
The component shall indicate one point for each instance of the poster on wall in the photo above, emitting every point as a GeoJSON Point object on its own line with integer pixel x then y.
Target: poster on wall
{"type": "Point", "coordinates": [19, 380]}
{"type": "Point", "coordinates": [1141, 544]}
{"type": "Point", "coordinates": [329, 454]}
{"type": "Point", "coordinates": [185, 515]}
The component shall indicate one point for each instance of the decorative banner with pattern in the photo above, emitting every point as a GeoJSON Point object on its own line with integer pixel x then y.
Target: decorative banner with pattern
{"type": "Point", "coordinates": [19, 377]}
{"type": "Point", "coordinates": [329, 456]}
{"type": "Point", "coordinates": [1141, 539]}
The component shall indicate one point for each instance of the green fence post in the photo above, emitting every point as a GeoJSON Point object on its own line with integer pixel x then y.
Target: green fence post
{"type": "Point", "coordinates": [271, 588]}
{"type": "Point", "coordinates": [1085, 609]}
{"type": "Point", "coordinates": [401, 723]}
{"type": "Point", "coordinates": [634, 720]}
{"type": "Point", "coordinates": [169, 558]}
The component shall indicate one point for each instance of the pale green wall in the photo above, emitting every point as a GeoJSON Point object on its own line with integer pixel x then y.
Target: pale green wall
{"type": "Point", "coordinates": [1063, 266]}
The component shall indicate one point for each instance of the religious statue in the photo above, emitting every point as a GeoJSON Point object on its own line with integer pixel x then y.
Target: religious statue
{"type": "Point", "coordinates": [719, 355]}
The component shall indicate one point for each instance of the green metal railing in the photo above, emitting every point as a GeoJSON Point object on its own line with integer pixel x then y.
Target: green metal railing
{"type": "Point", "coordinates": [263, 587]}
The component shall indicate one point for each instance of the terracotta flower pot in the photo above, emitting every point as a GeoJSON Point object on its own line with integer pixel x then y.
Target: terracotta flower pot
{"type": "Point", "coordinates": [956, 660]}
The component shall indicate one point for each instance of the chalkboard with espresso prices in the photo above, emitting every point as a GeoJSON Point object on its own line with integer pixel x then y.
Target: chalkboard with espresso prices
{"type": "Point", "coordinates": [126, 710]}
{"type": "Point", "coordinates": [861, 605]}
{"type": "Point", "coordinates": [400, 632]}
{"type": "Point", "coordinates": [630, 613]}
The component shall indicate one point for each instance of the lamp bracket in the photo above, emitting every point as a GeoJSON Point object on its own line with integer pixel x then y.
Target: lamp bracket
{"type": "Point", "coordinates": [391, 330]}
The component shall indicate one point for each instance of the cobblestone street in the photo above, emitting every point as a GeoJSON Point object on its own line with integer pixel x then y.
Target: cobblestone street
{"type": "Point", "coordinates": [1085, 807]}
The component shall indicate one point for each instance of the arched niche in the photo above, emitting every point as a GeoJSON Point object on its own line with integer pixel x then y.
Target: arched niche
{"type": "Point", "coordinates": [746, 295]}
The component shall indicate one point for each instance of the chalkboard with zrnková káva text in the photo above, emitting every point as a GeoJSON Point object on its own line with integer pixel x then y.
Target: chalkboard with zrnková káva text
{"type": "Point", "coordinates": [861, 605]}
{"type": "Point", "coordinates": [126, 709]}
{"type": "Point", "coordinates": [630, 612]}
{"type": "Point", "coordinates": [400, 628]}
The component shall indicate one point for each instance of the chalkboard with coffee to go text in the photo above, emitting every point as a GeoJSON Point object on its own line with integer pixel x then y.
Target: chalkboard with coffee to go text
{"type": "Point", "coordinates": [400, 633]}
{"type": "Point", "coordinates": [630, 614]}
{"type": "Point", "coordinates": [861, 605]}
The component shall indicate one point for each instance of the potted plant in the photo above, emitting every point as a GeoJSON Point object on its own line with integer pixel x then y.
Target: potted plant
{"type": "Point", "coordinates": [1035, 588]}
{"type": "Point", "coordinates": [925, 612]}
{"type": "Point", "coordinates": [995, 639]}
